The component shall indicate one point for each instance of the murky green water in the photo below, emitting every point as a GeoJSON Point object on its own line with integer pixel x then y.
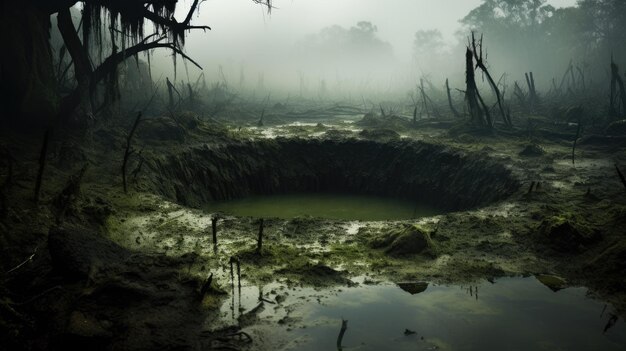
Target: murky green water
{"type": "Point", "coordinates": [512, 314]}
{"type": "Point", "coordinates": [333, 206]}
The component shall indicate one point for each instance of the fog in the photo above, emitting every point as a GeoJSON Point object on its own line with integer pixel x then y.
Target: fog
{"type": "Point", "coordinates": [314, 46]}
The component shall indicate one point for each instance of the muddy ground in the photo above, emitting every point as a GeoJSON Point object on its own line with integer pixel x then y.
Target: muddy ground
{"type": "Point", "coordinates": [130, 271]}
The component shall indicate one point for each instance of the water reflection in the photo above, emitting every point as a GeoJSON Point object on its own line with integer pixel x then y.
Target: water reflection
{"type": "Point", "coordinates": [512, 314]}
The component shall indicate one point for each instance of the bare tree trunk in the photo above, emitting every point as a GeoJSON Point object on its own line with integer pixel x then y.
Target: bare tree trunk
{"type": "Point", "coordinates": [129, 151]}
{"type": "Point", "coordinates": [477, 115]}
{"type": "Point", "coordinates": [454, 111]}
{"type": "Point", "coordinates": [479, 62]}
{"type": "Point", "coordinates": [82, 66]}
{"type": "Point", "coordinates": [617, 106]}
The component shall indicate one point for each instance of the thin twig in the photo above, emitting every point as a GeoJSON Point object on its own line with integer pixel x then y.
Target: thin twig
{"type": "Point", "coordinates": [30, 258]}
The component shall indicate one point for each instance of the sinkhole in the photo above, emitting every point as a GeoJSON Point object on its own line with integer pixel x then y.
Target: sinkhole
{"type": "Point", "coordinates": [340, 179]}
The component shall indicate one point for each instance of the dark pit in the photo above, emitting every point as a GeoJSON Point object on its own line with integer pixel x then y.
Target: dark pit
{"type": "Point", "coordinates": [439, 176]}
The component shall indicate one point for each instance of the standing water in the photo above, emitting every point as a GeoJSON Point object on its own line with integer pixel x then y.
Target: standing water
{"type": "Point", "coordinates": [512, 314]}
{"type": "Point", "coordinates": [332, 206]}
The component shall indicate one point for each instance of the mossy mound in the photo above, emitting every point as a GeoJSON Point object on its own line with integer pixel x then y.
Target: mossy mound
{"type": "Point", "coordinates": [406, 240]}
{"type": "Point", "coordinates": [532, 150]}
{"type": "Point", "coordinates": [567, 233]}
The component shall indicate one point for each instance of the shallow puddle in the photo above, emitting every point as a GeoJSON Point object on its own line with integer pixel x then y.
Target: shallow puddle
{"type": "Point", "coordinates": [332, 206]}
{"type": "Point", "coordinates": [512, 314]}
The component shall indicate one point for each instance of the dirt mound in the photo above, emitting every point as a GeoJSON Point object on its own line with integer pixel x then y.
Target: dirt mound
{"type": "Point", "coordinates": [406, 240]}
{"type": "Point", "coordinates": [567, 233]}
{"type": "Point", "coordinates": [144, 295]}
{"type": "Point", "coordinates": [532, 150]}
{"type": "Point", "coordinates": [78, 251]}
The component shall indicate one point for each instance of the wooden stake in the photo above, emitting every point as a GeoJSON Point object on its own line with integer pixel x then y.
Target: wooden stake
{"type": "Point", "coordinates": [214, 220]}
{"type": "Point", "coordinates": [259, 246]}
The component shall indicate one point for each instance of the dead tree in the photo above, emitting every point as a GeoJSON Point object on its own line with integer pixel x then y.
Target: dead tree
{"type": "Point", "coordinates": [452, 108]}
{"type": "Point", "coordinates": [479, 112]}
{"type": "Point", "coordinates": [191, 97]}
{"type": "Point", "coordinates": [171, 89]}
{"type": "Point", "coordinates": [170, 35]}
{"type": "Point", "coordinates": [532, 92]}
{"type": "Point", "coordinates": [414, 109]}
{"type": "Point", "coordinates": [521, 96]}
{"type": "Point", "coordinates": [129, 151]}
{"type": "Point", "coordinates": [426, 101]}
{"type": "Point", "coordinates": [423, 96]}
{"type": "Point", "coordinates": [568, 77]}
{"type": "Point", "coordinates": [42, 162]}
{"type": "Point", "coordinates": [617, 107]}
{"type": "Point", "coordinates": [477, 49]}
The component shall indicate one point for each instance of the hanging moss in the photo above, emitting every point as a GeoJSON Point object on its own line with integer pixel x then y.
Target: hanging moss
{"type": "Point", "coordinates": [130, 16]}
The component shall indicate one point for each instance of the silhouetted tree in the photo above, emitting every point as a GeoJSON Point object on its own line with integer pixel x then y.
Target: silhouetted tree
{"type": "Point", "coordinates": [28, 86]}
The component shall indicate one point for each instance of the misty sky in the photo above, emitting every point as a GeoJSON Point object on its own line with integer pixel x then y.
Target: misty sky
{"type": "Point", "coordinates": [242, 30]}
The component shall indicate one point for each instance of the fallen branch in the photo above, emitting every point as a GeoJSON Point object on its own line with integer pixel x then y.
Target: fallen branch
{"type": "Point", "coordinates": [480, 64]}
